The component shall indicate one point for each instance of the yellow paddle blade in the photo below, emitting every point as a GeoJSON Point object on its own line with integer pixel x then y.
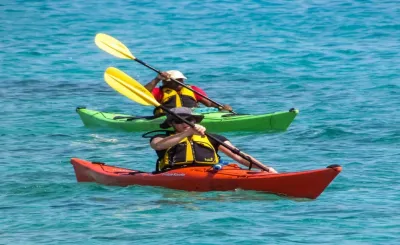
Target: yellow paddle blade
{"type": "Point", "coordinates": [129, 80]}
{"type": "Point", "coordinates": [120, 81]}
{"type": "Point", "coordinates": [113, 46]}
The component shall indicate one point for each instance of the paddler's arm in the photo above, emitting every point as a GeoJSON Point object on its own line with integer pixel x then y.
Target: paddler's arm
{"type": "Point", "coordinates": [241, 160]}
{"type": "Point", "coordinates": [160, 143]}
{"type": "Point", "coordinates": [153, 83]}
{"type": "Point", "coordinates": [207, 102]}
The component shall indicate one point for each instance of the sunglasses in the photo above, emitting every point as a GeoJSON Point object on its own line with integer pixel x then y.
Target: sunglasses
{"type": "Point", "coordinates": [179, 121]}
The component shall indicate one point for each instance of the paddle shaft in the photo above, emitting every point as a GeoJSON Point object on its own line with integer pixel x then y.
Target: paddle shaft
{"type": "Point", "coordinates": [182, 84]}
{"type": "Point", "coordinates": [233, 150]}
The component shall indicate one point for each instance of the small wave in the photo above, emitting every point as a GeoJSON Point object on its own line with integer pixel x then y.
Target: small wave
{"type": "Point", "coordinates": [103, 139]}
{"type": "Point", "coordinates": [328, 132]}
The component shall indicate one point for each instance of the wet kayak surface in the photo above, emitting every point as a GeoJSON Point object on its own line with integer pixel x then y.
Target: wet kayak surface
{"type": "Point", "coordinates": [214, 121]}
{"type": "Point", "coordinates": [336, 62]}
{"type": "Point", "coordinates": [220, 177]}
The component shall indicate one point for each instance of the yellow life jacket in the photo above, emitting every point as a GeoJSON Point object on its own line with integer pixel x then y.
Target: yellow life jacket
{"type": "Point", "coordinates": [172, 98]}
{"type": "Point", "coordinates": [194, 150]}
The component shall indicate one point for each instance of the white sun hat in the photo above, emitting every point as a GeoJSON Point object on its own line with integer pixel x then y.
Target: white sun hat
{"type": "Point", "coordinates": [176, 74]}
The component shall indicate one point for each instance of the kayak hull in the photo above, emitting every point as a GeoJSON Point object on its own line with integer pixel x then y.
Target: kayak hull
{"type": "Point", "coordinates": [213, 121]}
{"type": "Point", "coordinates": [306, 184]}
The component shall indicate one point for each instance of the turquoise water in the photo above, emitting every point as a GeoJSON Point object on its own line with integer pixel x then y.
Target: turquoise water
{"type": "Point", "coordinates": [336, 61]}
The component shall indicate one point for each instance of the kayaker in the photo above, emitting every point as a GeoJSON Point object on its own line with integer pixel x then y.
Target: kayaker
{"type": "Point", "coordinates": [187, 146]}
{"type": "Point", "coordinates": [171, 94]}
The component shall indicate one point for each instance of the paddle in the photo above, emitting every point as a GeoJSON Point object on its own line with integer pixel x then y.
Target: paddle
{"type": "Point", "coordinates": [113, 46]}
{"type": "Point", "coordinates": [116, 79]}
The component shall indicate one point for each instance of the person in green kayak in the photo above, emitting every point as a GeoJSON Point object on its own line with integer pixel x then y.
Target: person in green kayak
{"type": "Point", "coordinates": [171, 94]}
{"type": "Point", "coordinates": [190, 146]}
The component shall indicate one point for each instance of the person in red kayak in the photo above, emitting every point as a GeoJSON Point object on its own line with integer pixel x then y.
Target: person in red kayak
{"type": "Point", "coordinates": [190, 146]}
{"type": "Point", "coordinates": [171, 94]}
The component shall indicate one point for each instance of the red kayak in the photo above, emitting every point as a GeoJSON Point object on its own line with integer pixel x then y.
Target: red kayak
{"type": "Point", "coordinates": [305, 184]}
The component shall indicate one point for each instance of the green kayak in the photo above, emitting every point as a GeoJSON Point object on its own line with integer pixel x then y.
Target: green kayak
{"type": "Point", "coordinates": [214, 121]}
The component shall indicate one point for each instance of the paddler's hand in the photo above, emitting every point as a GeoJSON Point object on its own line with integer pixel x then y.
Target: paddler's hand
{"type": "Point", "coordinates": [271, 170]}
{"type": "Point", "coordinates": [225, 107]}
{"type": "Point", "coordinates": [163, 76]}
{"type": "Point", "coordinates": [198, 130]}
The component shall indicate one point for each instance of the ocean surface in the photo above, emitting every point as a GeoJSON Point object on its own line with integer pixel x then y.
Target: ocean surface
{"type": "Point", "coordinates": [338, 62]}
